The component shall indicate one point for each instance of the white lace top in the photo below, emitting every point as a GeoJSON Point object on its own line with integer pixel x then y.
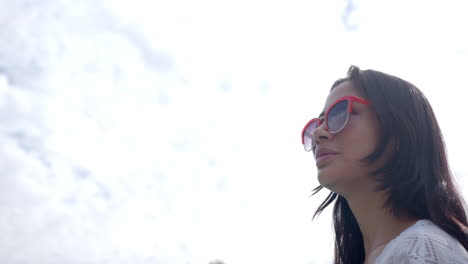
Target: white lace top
{"type": "Point", "coordinates": [424, 242]}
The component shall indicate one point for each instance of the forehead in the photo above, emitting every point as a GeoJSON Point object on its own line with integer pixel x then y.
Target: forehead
{"type": "Point", "coordinates": [343, 89]}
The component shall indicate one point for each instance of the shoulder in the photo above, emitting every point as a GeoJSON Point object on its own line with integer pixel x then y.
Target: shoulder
{"type": "Point", "coordinates": [424, 242]}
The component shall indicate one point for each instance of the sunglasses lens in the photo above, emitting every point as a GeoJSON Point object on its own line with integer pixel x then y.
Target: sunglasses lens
{"type": "Point", "coordinates": [308, 135]}
{"type": "Point", "coordinates": [338, 116]}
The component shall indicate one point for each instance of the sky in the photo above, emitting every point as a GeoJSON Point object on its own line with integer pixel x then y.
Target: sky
{"type": "Point", "coordinates": [169, 131]}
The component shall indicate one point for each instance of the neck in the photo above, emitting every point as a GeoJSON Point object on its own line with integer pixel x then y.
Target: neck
{"type": "Point", "coordinates": [378, 226]}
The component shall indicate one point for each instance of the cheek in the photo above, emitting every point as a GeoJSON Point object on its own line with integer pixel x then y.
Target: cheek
{"type": "Point", "coordinates": [354, 144]}
{"type": "Point", "coordinates": [359, 146]}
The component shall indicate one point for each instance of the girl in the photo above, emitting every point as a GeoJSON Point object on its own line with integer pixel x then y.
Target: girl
{"type": "Point", "coordinates": [379, 150]}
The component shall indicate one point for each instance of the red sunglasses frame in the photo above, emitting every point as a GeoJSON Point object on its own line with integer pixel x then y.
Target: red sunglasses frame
{"type": "Point", "coordinates": [349, 98]}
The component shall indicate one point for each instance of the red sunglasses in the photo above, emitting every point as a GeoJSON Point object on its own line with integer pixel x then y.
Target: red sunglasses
{"type": "Point", "coordinates": [335, 119]}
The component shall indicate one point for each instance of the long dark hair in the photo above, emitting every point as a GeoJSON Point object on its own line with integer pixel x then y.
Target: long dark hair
{"type": "Point", "coordinates": [417, 176]}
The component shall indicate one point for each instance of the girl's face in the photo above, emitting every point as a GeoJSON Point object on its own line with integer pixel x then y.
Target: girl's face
{"type": "Point", "coordinates": [344, 172]}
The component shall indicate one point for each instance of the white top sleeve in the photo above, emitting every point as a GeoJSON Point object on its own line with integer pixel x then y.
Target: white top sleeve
{"type": "Point", "coordinates": [423, 243]}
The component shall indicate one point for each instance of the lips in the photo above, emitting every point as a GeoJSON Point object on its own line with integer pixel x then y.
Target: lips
{"type": "Point", "coordinates": [320, 152]}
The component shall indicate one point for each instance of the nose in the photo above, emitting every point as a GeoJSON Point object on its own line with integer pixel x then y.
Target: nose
{"type": "Point", "coordinates": [321, 134]}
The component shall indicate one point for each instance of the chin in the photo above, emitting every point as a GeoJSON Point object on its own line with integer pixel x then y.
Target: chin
{"type": "Point", "coordinates": [324, 179]}
{"type": "Point", "coordinates": [328, 179]}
